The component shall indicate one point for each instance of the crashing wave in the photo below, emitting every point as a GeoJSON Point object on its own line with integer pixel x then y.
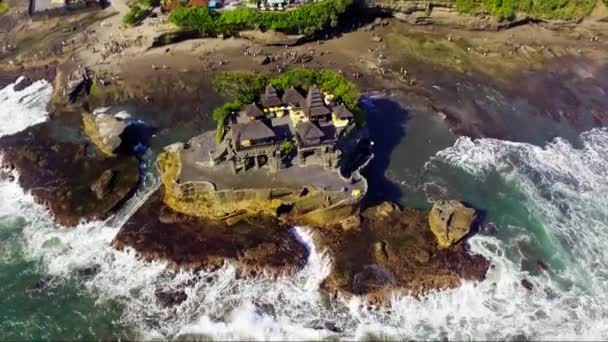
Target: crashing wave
{"type": "Point", "coordinates": [552, 206]}
{"type": "Point", "coordinates": [21, 109]}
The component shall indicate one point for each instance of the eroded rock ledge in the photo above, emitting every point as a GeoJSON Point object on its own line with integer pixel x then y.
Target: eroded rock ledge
{"type": "Point", "coordinates": [257, 245]}
{"type": "Point", "coordinates": [73, 179]}
{"type": "Point", "coordinates": [394, 250]}
{"type": "Point", "coordinates": [380, 251]}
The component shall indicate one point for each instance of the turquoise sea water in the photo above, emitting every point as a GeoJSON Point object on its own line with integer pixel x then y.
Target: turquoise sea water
{"type": "Point", "coordinates": [542, 203]}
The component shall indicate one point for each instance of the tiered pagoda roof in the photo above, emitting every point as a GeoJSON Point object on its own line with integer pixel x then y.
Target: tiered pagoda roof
{"type": "Point", "coordinates": [314, 105]}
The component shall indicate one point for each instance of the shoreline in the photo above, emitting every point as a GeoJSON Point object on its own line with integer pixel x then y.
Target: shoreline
{"type": "Point", "coordinates": [404, 60]}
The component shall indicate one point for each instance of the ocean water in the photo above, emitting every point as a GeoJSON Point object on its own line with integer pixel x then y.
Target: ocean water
{"type": "Point", "coordinates": [544, 203]}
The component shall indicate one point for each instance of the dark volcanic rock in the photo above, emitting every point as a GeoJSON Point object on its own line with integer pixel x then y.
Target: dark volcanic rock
{"type": "Point", "coordinates": [395, 250]}
{"type": "Point", "coordinates": [527, 284]}
{"type": "Point", "coordinates": [23, 83]}
{"type": "Point", "coordinates": [60, 174]}
{"type": "Point", "coordinates": [170, 298]}
{"type": "Point", "coordinates": [158, 233]}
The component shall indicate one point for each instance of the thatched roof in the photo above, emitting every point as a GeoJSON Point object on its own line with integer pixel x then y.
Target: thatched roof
{"type": "Point", "coordinates": [270, 97]}
{"type": "Point", "coordinates": [254, 130]}
{"type": "Point", "coordinates": [252, 110]}
{"type": "Point", "coordinates": [342, 112]}
{"type": "Point", "coordinates": [309, 131]}
{"type": "Point", "coordinates": [314, 104]}
{"type": "Point", "coordinates": [293, 97]}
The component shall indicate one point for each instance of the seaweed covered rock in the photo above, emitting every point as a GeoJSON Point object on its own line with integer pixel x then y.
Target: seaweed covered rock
{"type": "Point", "coordinates": [450, 221]}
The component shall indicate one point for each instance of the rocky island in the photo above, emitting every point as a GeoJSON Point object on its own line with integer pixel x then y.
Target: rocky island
{"type": "Point", "coordinates": [289, 147]}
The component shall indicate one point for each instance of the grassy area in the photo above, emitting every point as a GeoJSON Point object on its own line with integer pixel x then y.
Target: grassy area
{"type": "Point", "coordinates": [245, 87]}
{"type": "Point", "coordinates": [136, 14]}
{"type": "Point", "coordinates": [307, 19]}
{"type": "Point", "coordinates": [3, 8]}
{"type": "Point", "coordinates": [546, 9]}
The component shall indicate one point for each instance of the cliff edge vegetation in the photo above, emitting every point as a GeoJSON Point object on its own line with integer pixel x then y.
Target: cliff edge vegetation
{"type": "Point", "coordinates": [307, 19]}
{"type": "Point", "coordinates": [543, 9]}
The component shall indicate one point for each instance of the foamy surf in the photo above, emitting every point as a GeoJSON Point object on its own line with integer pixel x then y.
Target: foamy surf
{"type": "Point", "coordinates": [21, 109]}
{"type": "Point", "coordinates": [561, 193]}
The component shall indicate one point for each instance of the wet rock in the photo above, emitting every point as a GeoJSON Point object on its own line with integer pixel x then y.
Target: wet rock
{"type": "Point", "coordinates": [351, 222]}
{"type": "Point", "coordinates": [105, 183]}
{"type": "Point", "coordinates": [450, 221]}
{"type": "Point", "coordinates": [24, 83]}
{"type": "Point", "coordinates": [331, 326]}
{"type": "Point", "coordinates": [327, 325]}
{"type": "Point", "coordinates": [63, 185]}
{"type": "Point", "coordinates": [542, 265]}
{"type": "Point", "coordinates": [372, 278]}
{"type": "Point", "coordinates": [170, 298]}
{"type": "Point", "coordinates": [88, 271]}
{"type": "Point", "coordinates": [43, 284]}
{"type": "Point", "coordinates": [394, 250]}
{"type": "Point", "coordinates": [527, 284]}
{"type": "Point", "coordinates": [257, 245]}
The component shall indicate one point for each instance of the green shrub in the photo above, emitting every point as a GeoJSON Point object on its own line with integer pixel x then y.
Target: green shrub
{"type": "Point", "coordinates": [136, 14]}
{"type": "Point", "coordinates": [306, 19]}
{"type": "Point", "coordinates": [326, 80]}
{"type": "Point", "coordinates": [287, 147]}
{"type": "Point", "coordinates": [221, 114]}
{"type": "Point", "coordinates": [242, 86]}
{"type": "Point", "coordinates": [546, 9]}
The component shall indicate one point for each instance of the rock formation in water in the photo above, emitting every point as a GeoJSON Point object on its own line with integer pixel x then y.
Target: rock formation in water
{"type": "Point", "coordinates": [381, 250]}
{"type": "Point", "coordinates": [256, 245]}
{"type": "Point", "coordinates": [451, 221]}
{"type": "Point", "coordinates": [394, 250]}
{"type": "Point", "coordinates": [104, 130]}
{"type": "Point", "coordinates": [72, 179]}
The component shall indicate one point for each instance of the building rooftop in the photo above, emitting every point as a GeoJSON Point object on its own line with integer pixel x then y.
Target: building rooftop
{"type": "Point", "coordinates": [293, 97]}
{"type": "Point", "coordinates": [309, 131]}
{"type": "Point", "coordinates": [314, 104]}
{"type": "Point", "coordinates": [342, 112]}
{"type": "Point", "coordinates": [253, 130]}
{"type": "Point", "coordinates": [253, 111]}
{"type": "Point", "coordinates": [270, 97]}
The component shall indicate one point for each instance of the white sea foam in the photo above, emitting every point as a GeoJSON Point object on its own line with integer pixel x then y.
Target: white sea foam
{"type": "Point", "coordinates": [561, 187]}
{"type": "Point", "coordinates": [21, 109]}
